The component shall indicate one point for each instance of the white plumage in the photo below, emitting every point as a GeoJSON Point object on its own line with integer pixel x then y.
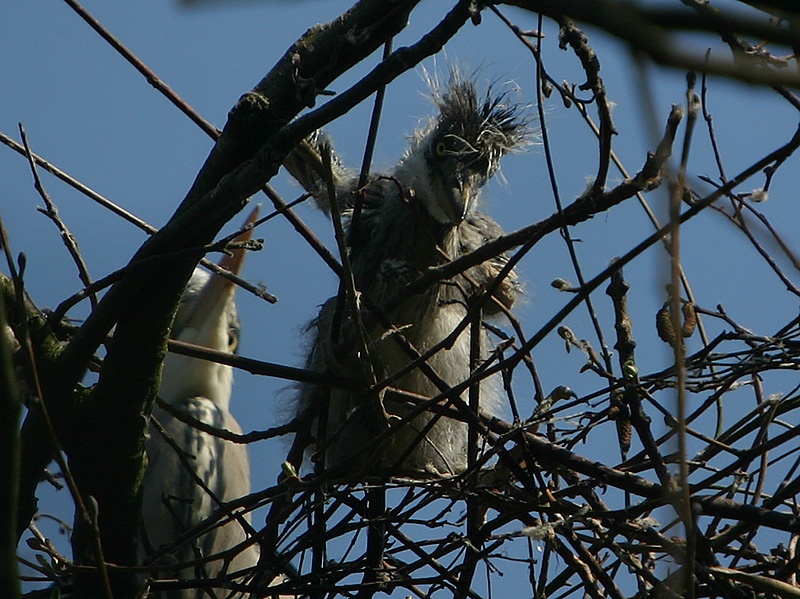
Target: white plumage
{"type": "Point", "coordinates": [416, 216]}
{"type": "Point", "coordinates": [173, 500]}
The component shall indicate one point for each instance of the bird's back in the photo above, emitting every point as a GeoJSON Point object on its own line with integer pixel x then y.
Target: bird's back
{"type": "Point", "coordinates": [174, 501]}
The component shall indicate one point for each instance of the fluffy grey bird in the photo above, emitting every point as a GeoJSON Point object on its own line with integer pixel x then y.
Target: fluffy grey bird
{"type": "Point", "coordinates": [419, 214]}
{"type": "Point", "coordinates": [173, 500]}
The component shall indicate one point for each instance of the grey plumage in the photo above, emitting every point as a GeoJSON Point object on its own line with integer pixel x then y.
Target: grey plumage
{"type": "Point", "coordinates": [416, 216]}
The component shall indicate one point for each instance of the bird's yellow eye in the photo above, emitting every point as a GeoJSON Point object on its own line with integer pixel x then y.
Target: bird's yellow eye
{"type": "Point", "coordinates": [233, 339]}
{"type": "Point", "coordinates": [441, 149]}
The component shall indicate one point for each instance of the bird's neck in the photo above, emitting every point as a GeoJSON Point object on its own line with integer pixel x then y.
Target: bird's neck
{"type": "Point", "coordinates": [185, 377]}
{"type": "Point", "coordinates": [433, 242]}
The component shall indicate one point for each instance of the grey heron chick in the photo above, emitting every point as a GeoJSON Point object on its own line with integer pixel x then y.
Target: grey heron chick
{"type": "Point", "coordinates": [173, 500]}
{"type": "Point", "coordinates": [417, 215]}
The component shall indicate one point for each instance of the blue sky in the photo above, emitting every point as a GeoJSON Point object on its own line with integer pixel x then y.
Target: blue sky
{"type": "Point", "coordinates": [91, 114]}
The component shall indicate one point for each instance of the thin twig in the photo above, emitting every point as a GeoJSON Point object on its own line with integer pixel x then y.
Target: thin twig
{"type": "Point", "coordinates": [51, 212]}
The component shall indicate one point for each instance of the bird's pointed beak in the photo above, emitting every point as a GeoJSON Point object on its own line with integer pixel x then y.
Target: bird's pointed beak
{"type": "Point", "coordinates": [218, 289]}
{"type": "Point", "coordinates": [458, 199]}
{"type": "Point", "coordinates": [234, 261]}
{"type": "Point", "coordinates": [454, 197]}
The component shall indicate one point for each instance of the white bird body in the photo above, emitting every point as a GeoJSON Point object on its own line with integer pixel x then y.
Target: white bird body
{"type": "Point", "coordinates": [173, 500]}
{"type": "Point", "coordinates": [418, 215]}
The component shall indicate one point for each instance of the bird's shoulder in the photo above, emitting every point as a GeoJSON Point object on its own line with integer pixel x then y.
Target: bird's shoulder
{"type": "Point", "coordinates": [199, 408]}
{"type": "Point", "coordinates": [477, 230]}
{"type": "Point", "coordinates": [483, 226]}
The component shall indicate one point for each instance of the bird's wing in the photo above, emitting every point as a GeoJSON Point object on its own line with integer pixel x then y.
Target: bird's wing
{"type": "Point", "coordinates": [173, 501]}
{"type": "Point", "coordinates": [161, 527]}
{"type": "Point", "coordinates": [477, 230]}
{"type": "Point", "coordinates": [305, 163]}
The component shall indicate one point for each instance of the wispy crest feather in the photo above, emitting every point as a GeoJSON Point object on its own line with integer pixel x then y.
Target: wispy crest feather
{"type": "Point", "coordinates": [489, 125]}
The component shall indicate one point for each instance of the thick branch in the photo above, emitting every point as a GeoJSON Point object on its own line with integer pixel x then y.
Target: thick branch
{"type": "Point", "coordinates": [650, 30]}
{"type": "Point", "coordinates": [108, 456]}
{"type": "Point", "coordinates": [10, 413]}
